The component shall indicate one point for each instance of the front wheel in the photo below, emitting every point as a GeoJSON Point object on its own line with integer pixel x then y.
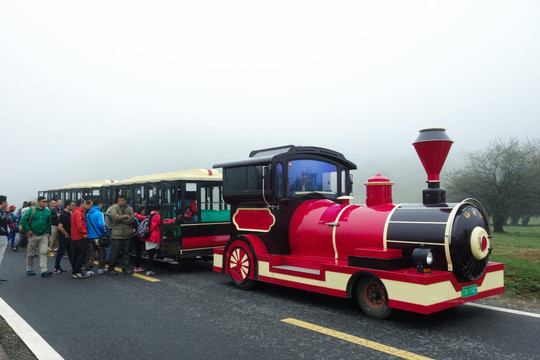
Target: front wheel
{"type": "Point", "coordinates": [372, 297]}
{"type": "Point", "coordinates": [240, 266]}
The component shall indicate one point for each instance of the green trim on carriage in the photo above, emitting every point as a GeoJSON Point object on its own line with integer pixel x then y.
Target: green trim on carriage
{"type": "Point", "coordinates": [215, 215]}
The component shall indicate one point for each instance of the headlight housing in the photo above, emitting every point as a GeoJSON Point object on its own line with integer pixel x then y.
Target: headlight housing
{"type": "Point", "coordinates": [423, 258]}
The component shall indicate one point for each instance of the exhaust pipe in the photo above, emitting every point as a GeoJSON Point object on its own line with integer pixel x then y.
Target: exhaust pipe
{"type": "Point", "coordinates": [433, 146]}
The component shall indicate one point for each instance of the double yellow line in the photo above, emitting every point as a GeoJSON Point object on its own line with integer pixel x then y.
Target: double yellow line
{"type": "Point", "coordinates": [357, 340]}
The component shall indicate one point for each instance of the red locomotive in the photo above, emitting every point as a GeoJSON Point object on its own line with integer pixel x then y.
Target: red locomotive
{"type": "Point", "coordinates": [292, 224]}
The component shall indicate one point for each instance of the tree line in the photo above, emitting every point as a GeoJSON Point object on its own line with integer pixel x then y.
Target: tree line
{"type": "Point", "coordinates": [504, 177]}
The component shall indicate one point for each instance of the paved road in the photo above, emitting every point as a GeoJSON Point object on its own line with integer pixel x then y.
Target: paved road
{"type": "Point", "coordinates": [198, 314]}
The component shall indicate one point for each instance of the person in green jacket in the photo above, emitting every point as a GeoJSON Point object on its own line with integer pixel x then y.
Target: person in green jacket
{"type": "Point", "coordinates": [37, 224]}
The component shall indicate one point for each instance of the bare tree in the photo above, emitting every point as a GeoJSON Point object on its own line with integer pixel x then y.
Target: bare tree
{"type": "Point", "coordinates": [503, 177]}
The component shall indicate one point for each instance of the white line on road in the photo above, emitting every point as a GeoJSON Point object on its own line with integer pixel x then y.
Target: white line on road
{"type": "Point", "coordinates": [36, 344]}
{"type": "Point", "coordinates": [517, 312]}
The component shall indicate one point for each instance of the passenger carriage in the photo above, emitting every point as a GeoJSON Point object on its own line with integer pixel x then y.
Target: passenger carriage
{"type": "Point", "coordinates": [192, 196]}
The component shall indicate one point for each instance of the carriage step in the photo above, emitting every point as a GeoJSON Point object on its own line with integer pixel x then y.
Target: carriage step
{"type": "Point", "coordinates": [298, 269]}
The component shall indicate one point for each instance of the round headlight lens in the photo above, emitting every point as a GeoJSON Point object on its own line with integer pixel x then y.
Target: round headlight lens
{"type": "Point", "coordinates": [429, 258]}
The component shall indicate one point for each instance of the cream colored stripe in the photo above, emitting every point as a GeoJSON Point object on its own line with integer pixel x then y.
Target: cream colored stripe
{"type": "Point", "coordinates": [356, 340]}
{"type": "Point", "coordinates": [333, 280]}
{"type": "Point", "coordinates": [334, 231]}
{"type": "Point", "coordinates": [218, 260]}
{"type": "Point", "coordinates": [385, 233]}
{"type": "Point", "coordinates": [418, 222]}
{"type": "Point", "coordinates": [413, 242]}
{"type": "Point", "coordinates": [426, 295]}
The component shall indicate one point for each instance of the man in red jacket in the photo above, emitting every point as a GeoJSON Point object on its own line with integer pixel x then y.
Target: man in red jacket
{"type": "Point", "coordinates": [78, 237]}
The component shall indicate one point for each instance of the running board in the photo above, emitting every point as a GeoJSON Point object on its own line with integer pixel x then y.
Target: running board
{"type": "Point", "coordinates": [298, 269]}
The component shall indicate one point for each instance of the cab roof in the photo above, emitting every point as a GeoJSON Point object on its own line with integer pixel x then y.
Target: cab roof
{"type": "Point", "coordinates": [267, 156]}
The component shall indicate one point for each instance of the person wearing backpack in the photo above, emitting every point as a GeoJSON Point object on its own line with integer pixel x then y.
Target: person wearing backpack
{"type": "Point", "coordinates": [140, 215]}
{"type": "Point", "coordinates": [23, 239]}
{"type": "Point", "coordinates": [154, 238]}
{"type": "Point", "coordinates": [36, 223]}
{"type": "Point", "coordinates": [6, 218]}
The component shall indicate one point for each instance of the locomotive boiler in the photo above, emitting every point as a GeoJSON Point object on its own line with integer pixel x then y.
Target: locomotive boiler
{"type": "Point", "coordinates": [293, 224]}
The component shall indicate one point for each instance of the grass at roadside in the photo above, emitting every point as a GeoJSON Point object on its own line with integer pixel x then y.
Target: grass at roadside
{"type": "Point", "coordinates": [519, 250]}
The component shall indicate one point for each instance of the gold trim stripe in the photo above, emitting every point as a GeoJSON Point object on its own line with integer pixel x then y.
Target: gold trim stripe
{"type": "Point", "coordinates": [447, 234]}
{"type": "Point", "coordinates": [385, 232]}
{"type": "Point", "coordinates": [418, 222]}
{"type": "Point", "coordinates": [253, 209]}
{"type": "Point", "coordinates": [356, 340]}
{"type": "Point", "coordinates": [334, 230]}
{"type": "Point", "coordinates": [414, 242]}
{"type": "Point", "coordinates": [207, 223]}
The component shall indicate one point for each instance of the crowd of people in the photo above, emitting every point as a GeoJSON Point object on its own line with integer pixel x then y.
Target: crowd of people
{"type": "Point", "coordinates": [80, 230]}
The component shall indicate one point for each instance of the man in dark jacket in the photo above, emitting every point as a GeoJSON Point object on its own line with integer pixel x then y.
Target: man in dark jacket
{"type": "Point", "coordinates": [122, 217]}
{"type": "Point", "coordinates": [6, 218]}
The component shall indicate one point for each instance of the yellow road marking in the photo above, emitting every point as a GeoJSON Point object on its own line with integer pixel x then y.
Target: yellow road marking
{"type": "Point", "coordinates": [357, 340]}
{"type": "Point", "coordinates": [137, 275]}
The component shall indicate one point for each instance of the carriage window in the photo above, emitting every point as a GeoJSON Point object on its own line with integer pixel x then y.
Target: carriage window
{"type": "Point", "coordinates": [212, 207]}
{"type": "Point", "coordinates": [153, 196]}
{"type": "Point", "coordinates": [244, 178]}
{"type": "Point", "coordinates": [305, 176]}
{"type": "Point", "coordinates": [279, 180]}
{"type": "Point", "coordinates": [343, 184]}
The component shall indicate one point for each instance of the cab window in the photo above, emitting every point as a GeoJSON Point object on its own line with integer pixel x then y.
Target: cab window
{"type": "Point", "coordinates": [307, 176]}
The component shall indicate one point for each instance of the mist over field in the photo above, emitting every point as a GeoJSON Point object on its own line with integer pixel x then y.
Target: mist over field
{"type": "Point", "coordinates": [110, 90]}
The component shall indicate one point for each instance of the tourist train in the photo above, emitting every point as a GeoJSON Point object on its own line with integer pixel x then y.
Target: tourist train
{"type": "Point", "coordinates": [285, 216]}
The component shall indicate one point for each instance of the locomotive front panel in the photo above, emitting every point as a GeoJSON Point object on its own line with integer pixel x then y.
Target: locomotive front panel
{"type": "Point", "coordinates": [457, 235]}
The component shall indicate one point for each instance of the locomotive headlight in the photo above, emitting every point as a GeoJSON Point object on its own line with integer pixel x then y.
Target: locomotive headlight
{"type": "Point", "coordinates": [423, 258]}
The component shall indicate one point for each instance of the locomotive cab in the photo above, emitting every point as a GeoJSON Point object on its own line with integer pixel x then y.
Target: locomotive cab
{"type": "Point", "coordinates": [265, 190]}
{"type": "Point", "coordinates": [271, 176]}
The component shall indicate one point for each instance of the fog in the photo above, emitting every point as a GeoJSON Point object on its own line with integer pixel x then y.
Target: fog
{"type": "Point", "coordinates": [113, 89]}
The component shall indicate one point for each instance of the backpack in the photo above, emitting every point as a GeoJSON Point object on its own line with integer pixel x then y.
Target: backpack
{"type": "Point", "coordinates": [23, 231]}
{"type": "Point", "coordinates": [143, 230]}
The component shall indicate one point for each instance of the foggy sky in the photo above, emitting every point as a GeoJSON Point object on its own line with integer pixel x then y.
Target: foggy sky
{"type": "Point", "coordinates": [113, 89]}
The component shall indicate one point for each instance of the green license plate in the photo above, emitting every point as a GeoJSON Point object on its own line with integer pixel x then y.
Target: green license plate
{"type": "Point", "coordinates": [469, 291]}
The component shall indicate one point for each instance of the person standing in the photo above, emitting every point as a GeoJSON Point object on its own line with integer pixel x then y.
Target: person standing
{"type": "Point", "coordinates": [140, 215]}
{"type": "Point", "coordinates": [23, 239]}
{"type": "Point", "coordinates": [6, 218]}
{"type": "Point", "coordinates": [37, 224]}
{"type": "Point", "coordinates": [79, 234]}
{"type": "Point", "coordinates": [108, 228]}
{"type": "Point", "coordinates": [14, 228]}
{"type": "Point", "coordinates": [95, 225]}
{"type": "Point", "coordinates": [55, 216]}
{"type": "Point", "coordinates": [122, 217]}
{"type": "Point", "coordinates": [64, 237]}
{"type": "Point", "coordinates": [154, 239]}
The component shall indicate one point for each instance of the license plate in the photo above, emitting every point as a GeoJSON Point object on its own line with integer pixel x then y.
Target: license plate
{"type": "Point", "coordinates": [469, 291]}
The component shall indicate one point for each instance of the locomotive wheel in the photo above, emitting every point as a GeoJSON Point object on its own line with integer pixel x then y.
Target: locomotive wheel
{"type": "Point", "coordinates": [372, 298]}
{"type": "Point", "coordinates": [241, 266]}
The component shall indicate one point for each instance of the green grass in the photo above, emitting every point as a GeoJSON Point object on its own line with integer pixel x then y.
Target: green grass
{"type": "Point", "coordinates": [519, 250]}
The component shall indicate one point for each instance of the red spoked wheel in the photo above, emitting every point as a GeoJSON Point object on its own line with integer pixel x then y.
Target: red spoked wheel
{"type": "Point", "coordinates": [372, 297]}
{"type": "Point", "coordinates": [240, 266]}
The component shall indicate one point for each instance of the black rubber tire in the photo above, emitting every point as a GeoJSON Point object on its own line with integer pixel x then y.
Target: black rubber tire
{"type": "Point", "coordinates": [372, 297]}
